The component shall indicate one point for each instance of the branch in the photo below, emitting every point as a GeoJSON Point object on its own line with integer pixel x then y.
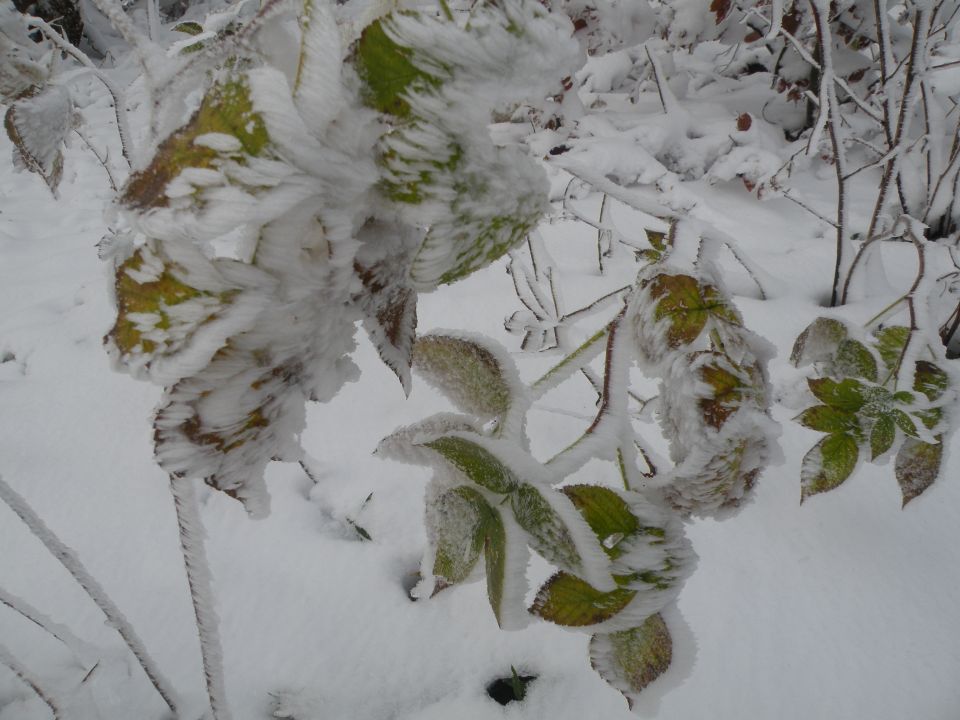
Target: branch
{"type": "Point", "coordinates": [9, 659]}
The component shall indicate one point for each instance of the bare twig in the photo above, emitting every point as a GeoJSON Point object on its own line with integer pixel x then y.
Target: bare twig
{"type": "Point", "coordinates": [94, 589]}
{"type": "Point", "coordinates": [9, 659]}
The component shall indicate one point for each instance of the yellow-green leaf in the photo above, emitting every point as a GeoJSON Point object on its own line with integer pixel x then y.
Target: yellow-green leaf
{"type": "Point", "coordinates": [495, 557]}
{"type": "Point", "coordinates": [687, 304]}
{"type": "Point", "coordinates": [477, 463]}
{"type": "Point", "coordinates": [818, 342]}
{"type": "Point", "coordinates": [826, 419]}
{"type": "Point", "coordinates": [567, 600]}
{"type": "Point", "coordinates": [608, 515]}
{"type": "Point", "coordinates": [855, 360]}
{"type": "Point", "coordinates": [882, 436]}
{"type": "Point", "coordinates": [460, 517]}
{"type": "Point", "coordinates": [890, 343]}
{"type": "Point", "coordinates": [225, 109]}
{"type": "Point", "coordinates": [548, 533]}
{"type": "Point", "coordinates": [846, 395]}
{"type": "Point", "coordinates": [828, 464]}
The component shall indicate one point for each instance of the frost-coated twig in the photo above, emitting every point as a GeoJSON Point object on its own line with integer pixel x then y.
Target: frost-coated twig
{"type": "Point", "coordinates": [94, 589]}
{"type": "Point", "coordinates": [9, 659]}
{"type": "Point", "coordinates": [119, 107]}
{"type": "Point", "coordinates": [60, 632]}
{"type": "Point", "coordinates": [915, 68]}
{"type": "Point", "coordinates": [201, 593]}
{"type": "Point", "coordinates": [830, 116]}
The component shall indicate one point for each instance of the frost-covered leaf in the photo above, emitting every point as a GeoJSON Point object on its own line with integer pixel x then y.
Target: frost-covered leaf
{"type": "Point", "coordinates": [317, 87]}
{"type": "Point", "coordinates": [570, 601]}
{"type": "Point", "coordinates": [434, 78]}
{"type": "Point", "coordinates": [22, 62]}
{"type": "Point", "coordinates": [826, 419]}
{"type": "Point", "coordinates": [827, 464]}
{"type": "Point", "coordinates": [37, 125]}
{"type": "Point", "coordinates": [388, 72]}
{"type": "Point", "coordinates": [631, 659]}
{"type": "Point", "coordinates": [166, 325]}
{"type": "Point", "coordinates": [818, 342]}
{"type": "Point", "coordinates": [495, 557]}
{"type": "Point", "coordinates": [686, 305]}
{"type": "Point", "coordinates": [389, 307]}
{"type": "Point", "coordinates": [477, 379]}
{"type": "Point", "coordinates": [728, 390]}
{"type": "Point", "coordinates": [930, 380]}
{"type": "Point", "coordinates": [609, 516]}
{"type": "Point", "coordinates": [405, 443]}
{"type": "Point", "coordinates": [457, 522]}
{"type": "Point", "coordinates": [846, 395]}
{"type": "Point", "coordinates": [854, 359]}
{"type": "Point", "coordinates": [547, 531]}
{"type": "Point", "coordinates": [882, 436]}
{"type": "Point", "coordinates": [477, 463]}
{"type": "Point", "coordinates": [890, 343]}
{"type": "Point", "coordinates": [226, 110]}
{"type": "Point", "coordinates": [917, 466]}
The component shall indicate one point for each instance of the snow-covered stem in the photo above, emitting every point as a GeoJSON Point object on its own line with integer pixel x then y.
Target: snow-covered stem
{"type": "Point", "coordinates": [201, 593]}
{"type": "Point", "coordinates": [100, 159]}
{"type": "Point", "coordinates": [9, 659]}
{"type": "Point", "coordinates": [60, 632]}
{"type": "Point", "coordinates": [915, 69]}
{"type": "Point", "coordinates": [94, 589]}
{"type": "Point", "coordinates": [116, 93]}
{"type": "Point", "coordinates": [830, 114]}
{"type": "Point", "coordinates": [143, 48]}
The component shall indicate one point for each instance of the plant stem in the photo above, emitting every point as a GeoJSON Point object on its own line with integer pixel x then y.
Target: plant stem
{"type": "Point", "coordinates": [201, 594]}
{"type": "Point", "coordinates": [7, 658]}
{"type": "Point", "coordinates": [94, 589]}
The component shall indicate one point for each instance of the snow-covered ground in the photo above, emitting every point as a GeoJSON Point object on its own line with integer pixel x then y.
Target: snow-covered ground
{"type": "Point", "coordinates": [843, 609]}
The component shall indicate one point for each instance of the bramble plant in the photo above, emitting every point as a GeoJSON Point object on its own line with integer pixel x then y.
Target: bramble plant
{"type": "Point", "coordinates": [307, 167]}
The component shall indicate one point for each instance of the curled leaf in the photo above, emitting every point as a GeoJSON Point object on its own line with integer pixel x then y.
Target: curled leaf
{"type": "Point", "coordinates": [37, 125]}
{"type": "Point", "coordinates": [567, 600]}
{"type": "Point", "coordinates": [458, 521]}
{"type": "Point", "coordinates": [477, 463]}
{"type": "Point", "coordinates": [548, 533]}
{"type": "Point", "coordinates": [686, 305]}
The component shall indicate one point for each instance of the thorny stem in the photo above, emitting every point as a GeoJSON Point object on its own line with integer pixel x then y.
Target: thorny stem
{"type": "Point", "coordinates": [94, 589]}
{"type": "Point", "coordinates": [201, 594]}
{"type": "Point", "coordinates": [57, 631]}
{"type": "Point", "coordinates": [9, 659]}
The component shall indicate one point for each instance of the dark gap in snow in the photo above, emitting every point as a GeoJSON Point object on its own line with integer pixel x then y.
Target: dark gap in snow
{"type": "Point", "coordinates": [508, 689]}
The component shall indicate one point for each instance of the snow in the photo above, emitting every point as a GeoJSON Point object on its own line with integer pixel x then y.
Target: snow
{"type": "Point", "coordinates": [842, 609]}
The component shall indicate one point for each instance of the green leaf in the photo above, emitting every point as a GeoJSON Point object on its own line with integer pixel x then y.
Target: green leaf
{"type": "Point", "coordinates": [930, 380]}
{"type": "Point", "coordinates": [632, 659]}
{"type": "Point", "coordinates": [917, 466]}
{"type": "Point", "coordinates": [881, 436]}
{"type": "Point", "coordinates": [225, 109]}
{"type": "Point", "coordinates": [890, 343]}
{"type": "Point", "coordinates": [548, 532]}
{"type": "Point", "coordinates": [567, 600]}
{"type": "Point", "coordinates": [461, 518]}
{"type": "Point", "coordinates": [824, 418]}
{"type": "Point", "coordinates": [853, 359]}
{"type": "Point", "coordinates": [477, 463]}
{"type": "Point", "coordinates": [608, 515]}
{"type": "Point", "coordinates": [468, 373]}
{"type": "Point", "coordinates": [904, 422]}
{"type": "Point", "coordinates": [845, 395]}
{"type": "Point", "coordinates": [818, 342]}
{"type": "Point", "coordinates": [828, 464]}
{"type": "Point", "coordinates": [495, 557]}
{"type": "Point", "coordinates": [189, 28]}
{"type": "Point", "coordinates": [687, 305]}
{"type": "Point", "coordinates": [388, 72]}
